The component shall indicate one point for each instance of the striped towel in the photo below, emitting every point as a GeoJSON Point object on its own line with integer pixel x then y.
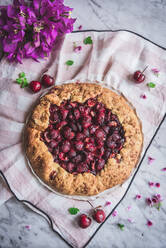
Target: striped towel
{"type": "Point", "coordinates": [112, 58]}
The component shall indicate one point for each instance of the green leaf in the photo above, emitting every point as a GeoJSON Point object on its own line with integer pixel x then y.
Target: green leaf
{"type": "Point", "coordinates": [121, 226]}
{"type": "Point", "coordinates": [73, 211]}
{"type": "Point", "coordinates": [151, 85]}
{"type": "Point", "coordinates": [69, 62]}
{"type": "Point", "coordinates": [158, 206]}
{"type": "Point", "coordinates": [22, 75]}
{"type": "Point", "coordinates": [88, 40]}
{"type": "Point", "coordinates": [19, 80]}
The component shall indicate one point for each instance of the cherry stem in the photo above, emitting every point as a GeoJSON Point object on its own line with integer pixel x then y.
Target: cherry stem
{"type": "Point", "coordinates": [91, 204]}
{"type": "Point", "coordinates": [145, 69]}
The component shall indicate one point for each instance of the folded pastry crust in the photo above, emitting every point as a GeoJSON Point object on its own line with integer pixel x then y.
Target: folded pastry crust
{"type": "Point", "coordinates": [115, 171]}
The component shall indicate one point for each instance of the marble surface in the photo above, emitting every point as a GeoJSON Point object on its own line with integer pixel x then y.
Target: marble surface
{"type": "Point", "coordinates": [148, 19]}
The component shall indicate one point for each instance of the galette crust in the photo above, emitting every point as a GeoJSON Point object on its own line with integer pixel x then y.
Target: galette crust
{"type": "Point", "coordinates": [115, 171]}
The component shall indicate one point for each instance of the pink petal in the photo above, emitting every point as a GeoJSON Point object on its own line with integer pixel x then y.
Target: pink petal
{"type": "Point", "coordinates": [150, 160]}
{"type": "Point", "coordinates": [107, 203]}
{"type": "Point", "coordinates": [156, 198]}
{"type": "Point", "coordinates": [149, 201]}
{"type": "Point", "coordinates": [151, 184]}
{"type": "Point", "coordinates": [143, 96]}
{"type": "Point", "coordinates": [130, 220]}
{"type": "Point", "coordinates": [163, 169]}
{"type": "Point", "coordinates": [77, 49]}
{"type": "Point", "coordinates": [28, 227]}
{"type": "Point", "coordinates": [157, 185]}
{"type": "Point", "coordinates": [149, 223]}
{"type": "Point", "coordinates": [80, 27]}
{"type": "Point", "coordinates": [129, 208]}
{"type": "Point", "coordinates": [138, 196]}
{"type": "Point", "coordinates": [114, 213]}
{"type": "Point", "coordinates": [155, 70]}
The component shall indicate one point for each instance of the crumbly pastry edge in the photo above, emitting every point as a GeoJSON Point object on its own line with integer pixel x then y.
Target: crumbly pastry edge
{"type": "Point", "coordinates": [116, 171]}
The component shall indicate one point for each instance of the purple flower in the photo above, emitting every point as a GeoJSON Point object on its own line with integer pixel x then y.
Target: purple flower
{"type": "Point", "coordinates": [30, 29]}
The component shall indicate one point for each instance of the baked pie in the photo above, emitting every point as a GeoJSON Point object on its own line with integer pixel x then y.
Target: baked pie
{"type": "Point", "coordinates": [82, 139]}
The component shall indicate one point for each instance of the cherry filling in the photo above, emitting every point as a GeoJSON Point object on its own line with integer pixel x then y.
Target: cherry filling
{"type": "Point", "coordinates": [82, 137]}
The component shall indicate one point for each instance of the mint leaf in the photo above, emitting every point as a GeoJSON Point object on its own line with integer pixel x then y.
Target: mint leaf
{"type": "Point", "coordinates": [24, 83]}
{"type": "Point", "coordinates": [73, 211]}
{"type": "Point", "coordinates": [19, 80]}
{"type": "Point", "coordinates": [158, 206]}
{"type": "Point", "coordinates": [151, 85]}
{"type": "Point", "coordinates": [88, 40]}
{"type": "Point", "coordinates": [121, 226]}
{"type": "Point", "coordinates": [22, 75]}
{"type": "Point", "coordinates": [69, 62]}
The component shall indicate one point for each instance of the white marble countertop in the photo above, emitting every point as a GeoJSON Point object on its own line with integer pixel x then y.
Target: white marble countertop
{"type": "Point", "coordinates": [148, 19]}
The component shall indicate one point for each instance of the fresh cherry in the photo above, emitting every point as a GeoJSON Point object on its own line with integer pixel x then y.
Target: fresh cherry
{"type": "Point", "coordinates": [84, 221]}
{"type": "Point", "coordinates": [138, 76]}
{"type": "Point", "coordinates": [47, 80]}
{"type": "Point", "coordinates": [99, 215]}
{"type": "Point", "coordinates": [35, 86]}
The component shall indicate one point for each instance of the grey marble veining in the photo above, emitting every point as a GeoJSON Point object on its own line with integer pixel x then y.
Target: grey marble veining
{"type": "Point", "coordinates": [146, 18]}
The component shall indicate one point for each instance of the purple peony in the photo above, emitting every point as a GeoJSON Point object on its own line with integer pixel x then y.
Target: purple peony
{"type": "Point", "coordinates": [29, 29]}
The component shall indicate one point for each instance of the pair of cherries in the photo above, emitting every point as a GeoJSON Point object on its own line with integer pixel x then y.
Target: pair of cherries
{"type": "Point", "coordinates": [98, 215]}
{"type": "Point", "coordinates": [46, 81]}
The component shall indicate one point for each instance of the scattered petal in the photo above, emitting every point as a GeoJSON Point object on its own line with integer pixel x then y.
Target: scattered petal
{"type": "Point", "coordinates": [163, 169]}
{"type": "Point", "coordinates": [114, 213]}
{"type": "Point", "coordinates": [80, 27]}
{"type": "Point", "coordinates": [149, 201]}
{"type": "Point", "coordinates": [149, 223]}
{"type": "Point", "coordinates": [158, 196]}
{"type": "Point", "coordinates": [130, 220]}
{"type": "Point", "coordinates": [138, 196]}
{"type": "Point", "coordinates": [150, 160]}
{"type": "Point", "coordinates": [151, 184]}
{"type": "Point", "coordinates": [157, 185]}
{"type": "Point", "coordinates": [156, 72]}
{"type": "Point", "coordinates": [129, 208]}
{"type": "Point", "coordinates": [143, 96]}
{"type": "Point", "coordinates": [28, 227]}
{"type": "Point", "coordinates": [154, 201]}
{"type": "Point", "coordinates": [77, 49]}
{"type": "Point", "coordinates": [107, 203]}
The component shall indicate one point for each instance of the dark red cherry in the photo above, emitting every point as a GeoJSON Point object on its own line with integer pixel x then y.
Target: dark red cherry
{"type": "Point", "coordinates": [84, 221]}
{"type": "Point", "coordinates": [138, 76]}
{"type": "Point", "coordinates": [99, 215]}
{"type": "Point", "coordinates": [35, 86]}
{"type": "Point", "coordinates": [47, 80]}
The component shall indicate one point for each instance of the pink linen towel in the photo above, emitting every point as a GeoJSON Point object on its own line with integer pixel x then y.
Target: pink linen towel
{"type": "Point", "coordinates": [111, 58]}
